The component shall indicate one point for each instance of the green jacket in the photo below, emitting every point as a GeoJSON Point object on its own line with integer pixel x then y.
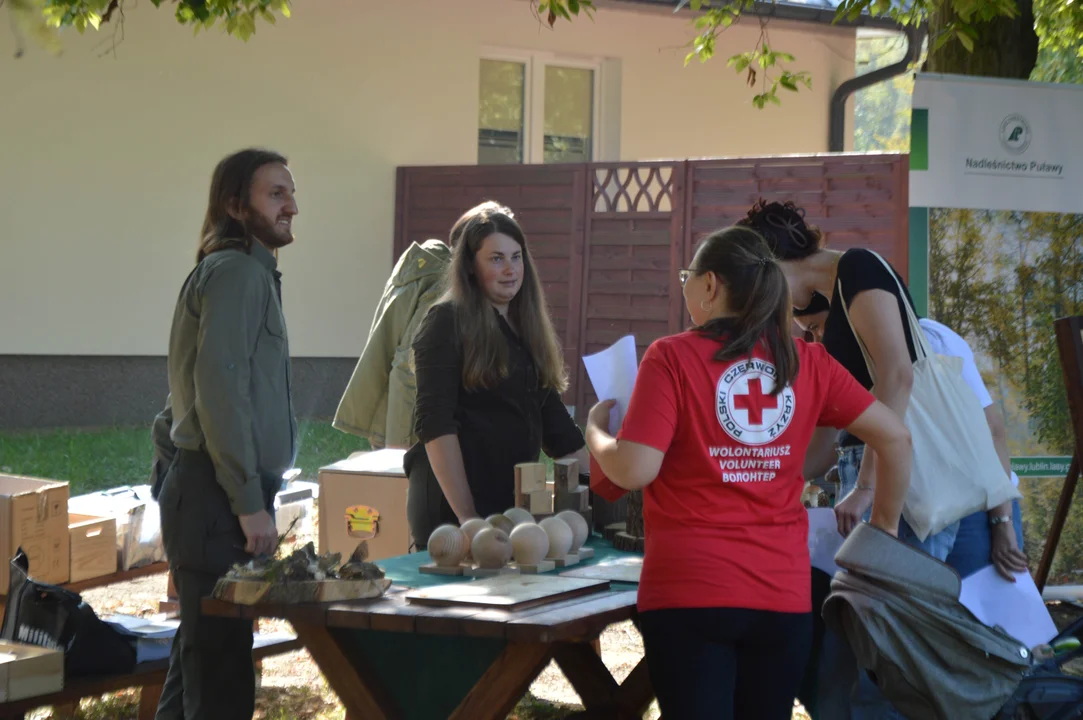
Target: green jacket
{"type": "Point", "coordinates": [378, 404]}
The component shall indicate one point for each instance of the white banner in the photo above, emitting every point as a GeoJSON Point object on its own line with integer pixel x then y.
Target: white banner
{"type": "Point", "coordinates": [990, 144]}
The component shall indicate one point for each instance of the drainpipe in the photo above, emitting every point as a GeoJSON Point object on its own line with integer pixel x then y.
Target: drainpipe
{"type": "Point", "coordinates": [837, 120]}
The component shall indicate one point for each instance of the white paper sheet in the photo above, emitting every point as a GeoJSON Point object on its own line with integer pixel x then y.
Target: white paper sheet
{"type": "Point", "coordinates": [612, 372]}
{"type": "Point", "coordinates": [824, 540]}
{"type": "Point", "coordinates": [1017, 607]}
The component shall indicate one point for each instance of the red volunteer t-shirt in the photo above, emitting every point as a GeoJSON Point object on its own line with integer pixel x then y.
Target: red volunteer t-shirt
{"type": "Point", "coordinates": [724, 522]}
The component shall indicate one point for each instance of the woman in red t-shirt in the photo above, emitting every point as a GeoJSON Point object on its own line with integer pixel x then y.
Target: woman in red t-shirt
{"type": "Point", "coordinates": [715, 435]}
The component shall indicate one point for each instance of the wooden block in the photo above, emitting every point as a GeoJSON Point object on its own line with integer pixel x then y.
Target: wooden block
{"type": "Point", "coordinates": [577, 500]}
{"type": "Point", "coordinates": [541, 567]}
{"type": "Point", "coordinates": [568, 560]}
{"type": "Point", "coordinates": [480, 572]}
{"type": "Point", "coordinates": [434, 569]}
{"type": "Point", "coordinates": [611, 530]}
{"type": "Point", "coordinates": [566, 474]}
{"type": "Point", "coordinates": [541, 502]}
{"type": "Point", "coordinates": [529, 478]}
{"type": "Point", "coordinates": [585, 553]}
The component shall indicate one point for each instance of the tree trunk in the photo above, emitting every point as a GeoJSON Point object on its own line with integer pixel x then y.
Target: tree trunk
{"type": "Point", "coordinates": [1005, 48]}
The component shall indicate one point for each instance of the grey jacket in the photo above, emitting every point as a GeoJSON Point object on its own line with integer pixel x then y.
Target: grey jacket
{"type": "Point", "coordinates": [899, 609]}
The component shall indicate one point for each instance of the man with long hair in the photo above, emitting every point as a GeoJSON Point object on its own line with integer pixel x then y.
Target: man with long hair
{"type": "Point", "coordinates": [228, 431]}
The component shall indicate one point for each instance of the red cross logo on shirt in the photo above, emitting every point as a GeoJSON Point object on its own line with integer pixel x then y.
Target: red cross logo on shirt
{"type": "Point", "coordinates": [755, 402]}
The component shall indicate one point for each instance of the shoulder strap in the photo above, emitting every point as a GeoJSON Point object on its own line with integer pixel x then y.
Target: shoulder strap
{"type": "Point", "coordinates": [921, 344]}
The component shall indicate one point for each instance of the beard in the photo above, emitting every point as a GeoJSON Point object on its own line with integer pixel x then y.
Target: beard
{"type": "Point", "coordinates": [268, 232]}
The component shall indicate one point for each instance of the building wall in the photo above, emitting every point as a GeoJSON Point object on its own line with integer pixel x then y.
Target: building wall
{"type": "Point", "coordinates": [106, 159]}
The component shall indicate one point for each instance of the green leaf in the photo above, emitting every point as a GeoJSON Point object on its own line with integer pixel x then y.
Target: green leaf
{"type": "Point", "coordinates": [94, 19]}
{"type": "Point", "coordinates": [573, 5]}
{"type": "Point", "coordinates": [966, 41]}
{"type": "Point", "coordinates": [773, 97]}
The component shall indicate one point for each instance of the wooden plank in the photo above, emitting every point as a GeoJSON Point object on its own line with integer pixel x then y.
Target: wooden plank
{"type": "Point", "coordinates": [146, 674]}
{"type": "Point", "coordinates": [625, 312]}
{"type": "Point", "coordinates": [582, 620]}
{"type": "Point", "coordinates": [624, 569]}
{"type": "Point", "coordinates": [512, 592]}
{"type": "Point", "coordinates": [506, 680]}
{"type": "Point", "coordinates": [632, 237]}
{"type": "Point", "coordinates": [118, 577]}
{"type": "Point", "coordinates": [628, 288]}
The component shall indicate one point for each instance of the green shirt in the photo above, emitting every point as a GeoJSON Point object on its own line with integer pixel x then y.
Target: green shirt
{"type": "Point", "coordinates": [229, 375]}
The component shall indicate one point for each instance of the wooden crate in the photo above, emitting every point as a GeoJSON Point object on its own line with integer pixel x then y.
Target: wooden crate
{"type": "Point", "coordinates": [93, 546]}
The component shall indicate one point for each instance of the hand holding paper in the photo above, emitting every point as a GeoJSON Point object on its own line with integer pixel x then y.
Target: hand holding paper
{"type": "Point", "coordinates": [612, 373]}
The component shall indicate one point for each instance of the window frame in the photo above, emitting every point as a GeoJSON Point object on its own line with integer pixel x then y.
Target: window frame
{"type": "Point", "coordinates": [535, 62]}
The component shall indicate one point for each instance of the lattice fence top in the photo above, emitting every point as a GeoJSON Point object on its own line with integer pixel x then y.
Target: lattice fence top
{"type": "Point", "coordinates": [633, 188]}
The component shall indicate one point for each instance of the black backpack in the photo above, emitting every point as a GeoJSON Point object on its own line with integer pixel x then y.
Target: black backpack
{"type": "Point", "coordinates": [49, 616]}
{"type": "Point", "coordinates": [1047, 692]}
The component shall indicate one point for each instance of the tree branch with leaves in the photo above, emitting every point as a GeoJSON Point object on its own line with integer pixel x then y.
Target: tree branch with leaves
{"type": "Point", "coordinates": [42, 20]}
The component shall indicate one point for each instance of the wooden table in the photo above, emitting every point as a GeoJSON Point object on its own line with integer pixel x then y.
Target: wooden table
{"type": "Point", "coordinates": [389, 658]}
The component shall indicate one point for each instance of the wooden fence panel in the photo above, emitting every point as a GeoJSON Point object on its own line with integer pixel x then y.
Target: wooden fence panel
{"type": "Point", "coordinates": [608, 238]}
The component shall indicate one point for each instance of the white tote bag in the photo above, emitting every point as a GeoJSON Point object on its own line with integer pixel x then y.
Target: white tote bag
{"type": "Point", "coordinates": [956, 471]}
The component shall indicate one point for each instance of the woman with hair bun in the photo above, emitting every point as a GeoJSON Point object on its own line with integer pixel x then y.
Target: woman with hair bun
{"type": "Point", "coordinates": [872, 297]}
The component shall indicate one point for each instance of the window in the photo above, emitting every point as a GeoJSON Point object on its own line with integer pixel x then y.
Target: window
{"type": "Point", "coordinates": [537, 108]}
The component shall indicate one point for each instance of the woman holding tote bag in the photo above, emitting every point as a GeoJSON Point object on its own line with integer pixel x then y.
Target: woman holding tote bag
{"type": "Point", "coordinates": [872, 330]}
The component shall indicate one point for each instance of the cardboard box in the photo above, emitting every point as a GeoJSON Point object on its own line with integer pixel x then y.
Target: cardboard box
{"type": "Point", "coordinates": [34, 516]}
{"type": "Point", "coordinates": [93, 546]}
{"type": "Point", "coordinates": [373, 487]}
{"type": "Point", "coordinates": [29, 671]}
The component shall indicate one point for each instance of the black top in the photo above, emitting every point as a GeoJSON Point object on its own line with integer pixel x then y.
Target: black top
{"type": "Point", "coordinates": [497, 428]}
{"type": "Point", "coordinates": [860, 270]}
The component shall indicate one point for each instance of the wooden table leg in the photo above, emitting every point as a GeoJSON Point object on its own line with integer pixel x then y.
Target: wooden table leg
{"type": "Point", "coordinates": [348, 675]}
{"type": "Point", "coordinates": [601, 694]}
{"type": "Point", "coordinates": [505, 682]}
{"type": "Point", "coordinates": [65, 711]}
{"type": "Point", "coordinates": [149, 697]}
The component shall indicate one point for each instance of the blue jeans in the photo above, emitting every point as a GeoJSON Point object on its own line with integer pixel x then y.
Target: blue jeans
{"type": "Point", "coordinates": [849, 693]}
{"type": "Point", "coordinates": [973, 545]}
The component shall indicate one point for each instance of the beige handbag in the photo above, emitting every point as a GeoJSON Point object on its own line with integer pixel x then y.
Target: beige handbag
{"type": "Point", "coordinates": [956, 471]}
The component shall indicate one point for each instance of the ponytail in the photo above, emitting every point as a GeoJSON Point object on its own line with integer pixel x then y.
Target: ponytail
{"type": "Point", "coordinates": [760, 296]}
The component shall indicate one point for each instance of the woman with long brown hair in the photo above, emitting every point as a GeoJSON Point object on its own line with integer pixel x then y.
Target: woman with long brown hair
{"type": "Point", "coordinates": [490, 372]}
{"type": "Point", "coordinates": [715, 436]}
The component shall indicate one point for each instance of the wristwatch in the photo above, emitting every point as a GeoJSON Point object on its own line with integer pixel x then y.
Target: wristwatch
{"type": "Point", "coordinates": [1000, 519]}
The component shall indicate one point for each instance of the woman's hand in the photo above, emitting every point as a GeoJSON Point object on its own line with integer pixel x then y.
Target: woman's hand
{"type": "Point", "coordinates": [1007, 558]}
{"type": "Point", "coordinates": [598, 417]}
{"type": "Point", "coordinates": [851, 510]}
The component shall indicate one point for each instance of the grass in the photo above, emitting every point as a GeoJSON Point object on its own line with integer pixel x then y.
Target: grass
{"type": "Point", "coordinates": [100, 459]}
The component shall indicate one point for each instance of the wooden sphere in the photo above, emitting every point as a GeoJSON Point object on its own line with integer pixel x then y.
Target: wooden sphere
{"type": "Point", "coordinates": [473, 525]}
{"type": "Point", "coordinates": [491, 548]}
{"type": "Point", "coordinates": [448, 545]}
{"type": "Point", "coordinates": [578, 524]}
{"type": "Point", "coordinates": [529, 543]}
{"type": "Point", "coordinates": [560, 537]}
{"type": "Point", "coordinates": [519, 515]}
{"type": "Point", "coordinates": [471, 528]}
{"type": "Point", "coordinates": [501, 522]}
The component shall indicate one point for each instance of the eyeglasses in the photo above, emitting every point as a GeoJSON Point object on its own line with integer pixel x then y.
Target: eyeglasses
{"type": "Point", "coordinates": [683, 276]}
